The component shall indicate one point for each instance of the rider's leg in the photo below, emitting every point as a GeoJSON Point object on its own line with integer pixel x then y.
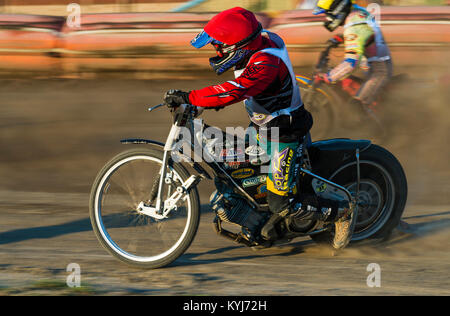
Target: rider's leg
{"type": "Point", "coordinates": [379, 75]}
{"type": "Point", "coordinates": [279, 184]}
{"type": "Point", "coordinates": [280, 178]}
{"type": "Point", "coordinates": [281, 192]}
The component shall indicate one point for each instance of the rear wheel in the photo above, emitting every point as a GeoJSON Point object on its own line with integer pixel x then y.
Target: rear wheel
{"type": "Point", "coordinates": [126, 183]}
{"type": "Point", "coordinates": [382, 194]}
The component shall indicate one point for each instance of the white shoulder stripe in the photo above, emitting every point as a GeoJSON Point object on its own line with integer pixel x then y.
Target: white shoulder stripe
{"type": "Point", "coordinates": [236, 84]}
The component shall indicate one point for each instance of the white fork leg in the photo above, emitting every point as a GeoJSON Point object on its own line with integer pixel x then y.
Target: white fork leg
{"type": "Point", "coordinates": [173, 134]}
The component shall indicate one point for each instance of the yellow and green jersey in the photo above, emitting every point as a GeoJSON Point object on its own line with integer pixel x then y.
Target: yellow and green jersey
{"type": "Point", "coordinates": [363, 40]}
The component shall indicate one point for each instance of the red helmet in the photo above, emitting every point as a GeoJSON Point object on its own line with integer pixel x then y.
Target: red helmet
{"type": "Point", "coordinates": [235, 33]}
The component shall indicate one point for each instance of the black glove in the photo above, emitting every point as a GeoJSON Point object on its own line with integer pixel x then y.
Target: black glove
{"type": "Point", "coordinates": [174, 98]}
{"type": "Point", "coordinates": [336, 40]}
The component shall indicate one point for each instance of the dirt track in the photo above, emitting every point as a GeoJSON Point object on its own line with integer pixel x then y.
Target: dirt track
{"type": "Point", "coordinates": [56, 134]}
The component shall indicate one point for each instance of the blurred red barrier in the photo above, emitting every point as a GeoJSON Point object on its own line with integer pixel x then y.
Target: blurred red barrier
{"type": "Point", "coordinates": [28, 42]}
{"type": "Point", "coordinates": [136, 30]}
{"type": "Point", "coordinates": [137, 41]}
{"type": "Point", "coordinates": [160, 41]}
{"type": "Point", "coordinates": [387, 13]}
{"type": "Point", "coordinates": [29, 32]}
{"type": "Point", "coordinates": [409, 31]}
{"type": "Point", "coordinates": [400, 25]}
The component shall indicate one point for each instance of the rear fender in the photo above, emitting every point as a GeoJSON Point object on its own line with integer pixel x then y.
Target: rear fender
{"type": "Point", "coordinates": [327, 155]}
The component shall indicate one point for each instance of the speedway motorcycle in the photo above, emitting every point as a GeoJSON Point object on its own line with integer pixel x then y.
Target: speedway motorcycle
{"type": "Point", "coordinates": [327, 101]}
{"type": "Point", "coordinates": [145, 206]}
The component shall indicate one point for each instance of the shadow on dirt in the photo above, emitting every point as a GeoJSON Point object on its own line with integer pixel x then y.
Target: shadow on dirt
{"type": "Point", "coordinates": [404, 234]}
{"type": "Point", "coordinates": [45, 232]}
{"type": "Point", "coordinates": [190, 259]}
{"type": "Point", "coordinates": [82, 225]}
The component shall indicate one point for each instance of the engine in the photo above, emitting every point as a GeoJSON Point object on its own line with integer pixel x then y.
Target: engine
{"type": "Point", "coordinates": [232, 208]}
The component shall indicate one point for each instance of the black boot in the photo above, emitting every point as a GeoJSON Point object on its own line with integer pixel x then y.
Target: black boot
{"type": "Point", "coordinates": [279, 206]}
{"type": "Point", "coordinates": [312, 208]}
{"type": "Point", "coordinates": [269, 232]}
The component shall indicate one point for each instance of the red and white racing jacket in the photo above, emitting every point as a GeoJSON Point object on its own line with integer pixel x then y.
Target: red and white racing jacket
{"type": "Point", "coordinates": [266, 83]}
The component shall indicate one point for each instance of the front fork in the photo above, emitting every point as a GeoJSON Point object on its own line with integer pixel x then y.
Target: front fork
{"type": "Point", "coordinates": [162, 177]}
{"type": "Point", "coordinates": [164, 207]}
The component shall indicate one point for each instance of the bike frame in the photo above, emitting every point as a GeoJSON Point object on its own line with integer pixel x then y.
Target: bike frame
{"type": "Point", "coordinates": [183, 116]}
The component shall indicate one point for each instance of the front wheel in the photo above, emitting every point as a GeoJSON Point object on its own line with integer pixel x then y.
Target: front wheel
{"type": "Point", "coordinates": [127, 182]}
{"type": "Point", "coordinates": [382, 194]}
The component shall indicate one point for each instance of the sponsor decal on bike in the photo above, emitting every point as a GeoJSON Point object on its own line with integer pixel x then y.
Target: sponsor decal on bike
{"type": "Point", "coordinates": [250, 182]}
{"type": "Point", "coordinates": [232, 153]}
{"type": "Point", "coordinates": [254, 150]}
{"type": "Point", "coordinates": [262, 191]}
{"type": "Point", "coordinates": [259, 117]}
{"type": "Point", "coordinates": [321, 188]}
{"type": "Point", "coordinates": [262, 188]}
{"type": "Point", "coordinates": [242, 173]}
{"type": "Point", "coordinates": [260, 195]}
{"type": "Point", "coordinates": [236, 164]}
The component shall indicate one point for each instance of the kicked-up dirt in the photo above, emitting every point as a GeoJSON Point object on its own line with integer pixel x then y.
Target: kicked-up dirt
{"type": "Point", "coordinates": [56, 134]}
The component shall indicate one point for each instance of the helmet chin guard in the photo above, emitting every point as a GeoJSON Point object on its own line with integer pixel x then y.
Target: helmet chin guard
{"type": "Point", "coordinates": [224, 63]}
{"type": "Point", "coordinates": [232, 55]}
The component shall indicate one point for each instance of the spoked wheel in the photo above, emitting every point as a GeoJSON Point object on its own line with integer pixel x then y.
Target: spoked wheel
{"type": "Point", "coordinates": [375, 205]}
{"type": "Point", "coordinates": [382, 194]}
{"type": "Point", "coordinates": [127, 183]}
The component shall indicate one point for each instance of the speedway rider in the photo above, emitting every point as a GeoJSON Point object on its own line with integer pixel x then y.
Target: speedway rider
{"type": "Point", "coordinates": [266, 81]}
{"type": "Point", "coordinates": [363, 42]}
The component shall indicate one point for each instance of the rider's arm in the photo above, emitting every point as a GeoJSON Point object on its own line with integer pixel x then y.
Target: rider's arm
{"type": "Point", "coordinates": [356, 38]}
{"type": "Point", "coordinates": [260, 72]}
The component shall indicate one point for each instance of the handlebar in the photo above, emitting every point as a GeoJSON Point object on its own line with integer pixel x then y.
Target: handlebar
{"type": "Point", "coordinates": [187, 107]}
{"type": "Point", "coordinates": [322, 65]}
{"type": "Point", "coordinates": [155, 107]}
{"type": "Point", "coordinates": [183, 107]}
{"type": "Point", "coordinates": [324, 59]}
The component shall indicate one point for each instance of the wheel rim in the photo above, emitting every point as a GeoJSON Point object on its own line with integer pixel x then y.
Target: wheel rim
{"type": "Point", "coordinates": [376, 197]}
{"type": "Point", "coordinates": [120, 242]}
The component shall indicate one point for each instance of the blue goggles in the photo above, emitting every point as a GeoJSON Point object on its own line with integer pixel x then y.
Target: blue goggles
{"type": "Point", "coordinates": [202, 39]}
